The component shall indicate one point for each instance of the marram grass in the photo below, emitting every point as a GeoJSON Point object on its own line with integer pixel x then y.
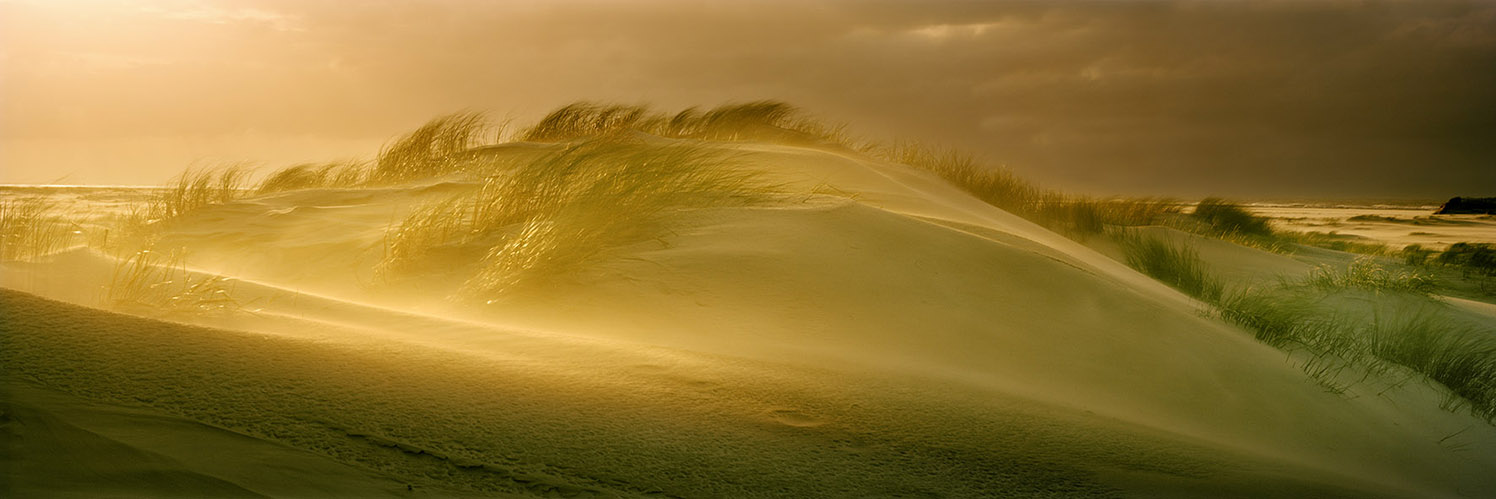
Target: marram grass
{"type": "Point", "coordinates": [1076, 216]}
{"type": "Point", "coordinates": [154, 283]}
{"type": "Point", "coordinates": [315, 176]}
{"type": "Point", "coordinates": [552, 216]}
{"type": "Point", "coordinates": [196, 188]}
{"type": "Point", "coordinates": [30, 228]}
{"type": "Point", "coordinates": [1365, 273]}
{"type": "Point", "coordinates": [1179, 265]}
{"type": "Point", "coordinates": [618, 171]}
{"type": "Point", "coordinates": [1299, 317]}
{"type": "Point", "coordinates": [771, 121]}
{"type": "Point", "coordinates": [441, 146]}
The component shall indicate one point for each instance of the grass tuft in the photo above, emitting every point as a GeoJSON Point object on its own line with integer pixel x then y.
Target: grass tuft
{"type": "Point", "coordinates": [1301, 317]}
{"type": "Point", "coordinates": [194, 189]}
{"type": "Point", "coordinates": [764, 120]}
{"type": "Point", "coordinates": [314, 176]}
{"type": "Point", "coordinates": [439, 147]}
{"type": "Point", "coordinates": [1415, 255]}
{"type": "Point", "coordinates": [996, 186]}
{"type": "Point", "coordinates": [1462, 360]}
{"type": "Point", "coordinates": [1334, 241]}
{"type": "Point", "coordinates": [30, 228]}
{"type": "Point", "coordinates": [1229, 218]}
{"type": "Point", "coordinates": [770, 121]}
{"type": "Point", "coordinates": [189, 191]}
{"type": "Point", "coordinates": [1077, 216]}
{"type": "Point", "coordinates": [156, 284]}
{"type": "Point", "coordinates": [1178, 266]}
{"type": "Point", "coordinates": [553, 216]}
{"type": "Point", "coordinates": [585, 119]}
{"type": "Point", "coordinates": [1365, 273]}
{"type": "Point", "coordinates": [1478, 259]}
{"type": "Point", "coordinates": [1275, 320]}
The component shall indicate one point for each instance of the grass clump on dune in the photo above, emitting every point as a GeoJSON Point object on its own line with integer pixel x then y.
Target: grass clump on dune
{"type": "Point", "coordinates": [1415, 255]}
{"type": "Point", "coordinates": [996, 186]}
{"type": "Point", "coordinates": [1176, 265]}
{"type": "Point", "coordinates": [194, 189]}
{"type": "Point", "coordinates": [1132, 212]}
{"type": "Point", "coordinates": [441, 146]}
{"type": "Point", "coordinates": [1000, 187]}
{"type": "Point", "coordinates": [313, 176]}
{"type": "Point", "coordinates": [1423, 342]}
{"type": "Point", "coordinates": [1462, 360]}
{"type": "Point", "coordinates": [1365, 273]}
{"type": "Point", "coordinates": [1226, 217]}
{"type": "Point", "coordinates": [1369, 319]}
{"type": "Point", "coordinates": [759, 120]}
{"type": "Point", "coordinates": [1273, 320]}
{"type": "Point", "coordinates": [152, 283]}
{"type": "Point", "coordinates": [552, 216]}
{"type": "Point", "coordinates": [1301, 317]}
{"type": "Point", "coordinates": [30, 228]}
{"type": "Point", "coordinates": [189, 191]}
{"type": "Point", "coordinates": [1473, 259]}
{"type": "Point", "coordinates": [1334, 241]}
{"type": "Point", "coordinates": [584, 119]}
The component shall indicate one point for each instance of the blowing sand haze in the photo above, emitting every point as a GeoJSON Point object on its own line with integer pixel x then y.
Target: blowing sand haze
{"type": "Point", "coordinates": [738, 299]}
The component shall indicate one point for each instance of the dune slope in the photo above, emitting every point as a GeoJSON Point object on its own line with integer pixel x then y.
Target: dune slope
{"type": "Point", "coordinates": [883, 334]}
{"type": "Point", "coordinates": [619, 422]}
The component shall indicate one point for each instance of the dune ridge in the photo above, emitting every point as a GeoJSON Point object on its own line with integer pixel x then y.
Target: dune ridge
{"type": "Point", "coordinates": [883, 328]}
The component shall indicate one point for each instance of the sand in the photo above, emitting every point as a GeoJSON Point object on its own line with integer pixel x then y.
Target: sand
{"type": "Point", "coordinates": [1394, 226]}
{"type": "Point", "coordinates": [898, 339]}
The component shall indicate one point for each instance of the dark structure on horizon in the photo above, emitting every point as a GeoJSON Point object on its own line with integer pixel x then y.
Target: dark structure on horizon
{"type": "Point", "coordinates": [1458, 205]}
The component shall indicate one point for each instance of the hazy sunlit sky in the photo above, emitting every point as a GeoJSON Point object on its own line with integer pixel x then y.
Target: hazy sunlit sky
{"type": "Point", "coordinates": [1241, 98]}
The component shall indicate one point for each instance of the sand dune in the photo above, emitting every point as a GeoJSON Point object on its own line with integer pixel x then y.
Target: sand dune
{"type": "Point", "coordinates": [622, 421]}
{"type": "Point", "coordinates": [882, 335]}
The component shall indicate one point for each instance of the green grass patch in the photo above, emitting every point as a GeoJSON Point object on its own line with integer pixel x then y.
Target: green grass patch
{"type": "Point", "coordinates": [1341, 325]}
{"type": "Point", "coordinates": [1366, 320]}
{"type": "Point", "coordinates": [1337, 242]}
{"type": "Point", "coordinates": [1478, 259]}
{"type": "Point", "coordinates": [1461, 359]}
{"type": "Point", "coordinates": [1176, 265]}
{"type": "Point", "coordinates": [1365, 273]}
{"type": "Point", "coordinates": [1226, 217]}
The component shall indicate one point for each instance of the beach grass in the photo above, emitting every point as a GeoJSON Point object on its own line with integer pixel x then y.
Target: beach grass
{"type": "Point", "coordinates": [157, 283]}
{"type": "Point", "coordinates": [767, 121]}
{"type": "Point", "coordinates": [30, 228]}
{"type": "Point", "coordinates": [440, 147]}
{"type": "Point", "coordinates": [1365, 273]}
{"type": "Point", "coordinates": [1177, 265]}
{"type": "Point", "coordinates": [1380, 333]}
{"type": "Point", "coordinates": [313, 176]}
{"type": "Point", "coordinates": [549, 217]}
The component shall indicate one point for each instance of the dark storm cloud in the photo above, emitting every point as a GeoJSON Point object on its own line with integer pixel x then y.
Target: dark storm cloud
{"type": "Point", "coordinates": [1247, 98]}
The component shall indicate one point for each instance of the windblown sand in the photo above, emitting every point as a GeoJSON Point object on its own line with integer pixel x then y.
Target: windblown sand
{"type": "Point", "coordinates": [899, 338]}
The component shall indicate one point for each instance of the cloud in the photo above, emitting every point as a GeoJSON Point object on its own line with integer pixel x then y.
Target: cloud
{"type": "Point", "coordinates": [205, 12]}
{"type": "Point", "coordinates": [1247, 98]}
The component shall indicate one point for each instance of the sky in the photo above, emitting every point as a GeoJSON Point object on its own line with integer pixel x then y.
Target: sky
{"type": "Point", "coordinates": [1254, 99]}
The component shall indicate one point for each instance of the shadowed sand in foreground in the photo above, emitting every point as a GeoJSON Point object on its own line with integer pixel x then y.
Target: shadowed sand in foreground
{"type": "Point", "coordinates": [633, 315]}
{"type": "Point", "coordinates": [370, 418]}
